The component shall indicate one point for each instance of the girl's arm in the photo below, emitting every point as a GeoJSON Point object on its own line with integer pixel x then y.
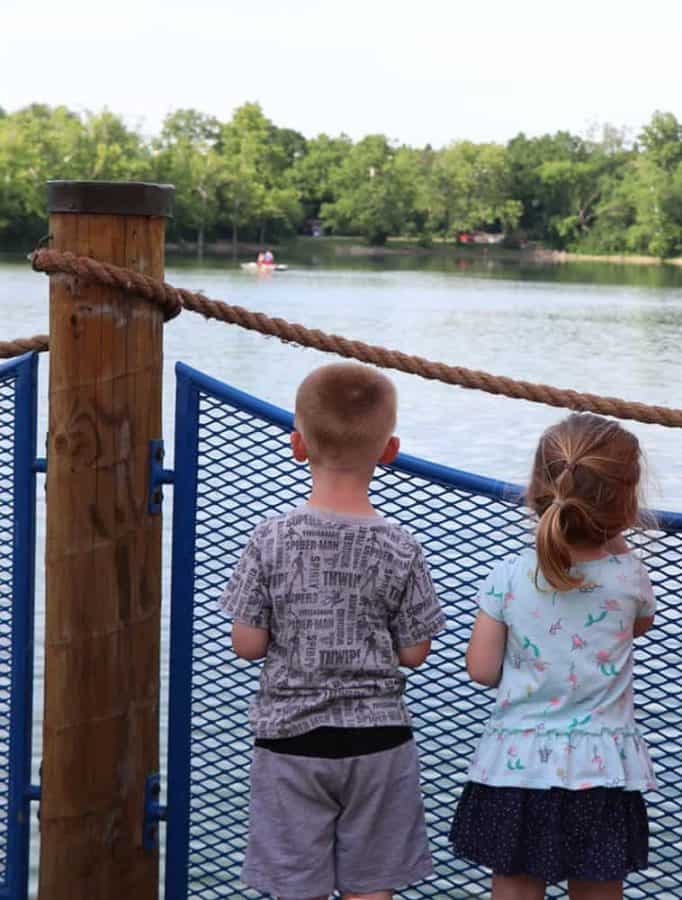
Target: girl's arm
{"type": "Point", "coordinates": [249, 642]}
{"type": "Point", "coordinates": [486, 650]}
{"type": "Point", "coordinates": [642, 625]}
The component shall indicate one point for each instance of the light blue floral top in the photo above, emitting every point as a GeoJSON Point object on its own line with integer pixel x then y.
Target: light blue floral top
{"type": "Point", "coordinates": [563, 716]}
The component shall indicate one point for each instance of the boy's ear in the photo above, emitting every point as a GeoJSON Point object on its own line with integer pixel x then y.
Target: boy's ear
{"type": "Point", "coordinates": [390, 450]}
{"type": "Point", "coordinates": [298, 447]}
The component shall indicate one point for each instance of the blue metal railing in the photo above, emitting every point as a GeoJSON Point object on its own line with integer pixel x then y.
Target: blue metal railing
{"type": "Point", "coordinates": [17, 566]}
{"type": "Point", "coordinates": [233, 467]}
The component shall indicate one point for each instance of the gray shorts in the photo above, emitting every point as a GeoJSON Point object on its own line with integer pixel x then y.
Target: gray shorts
{"type": "Point", "coordinates": [319, 825]}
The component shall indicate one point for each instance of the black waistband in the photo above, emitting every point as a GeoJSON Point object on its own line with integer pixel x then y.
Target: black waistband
{"type": "Point", "coordinates": [329, 742]}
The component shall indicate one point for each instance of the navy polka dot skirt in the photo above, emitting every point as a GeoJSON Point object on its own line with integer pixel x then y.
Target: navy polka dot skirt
{"type": "Point", "coordinates": [599, 834]}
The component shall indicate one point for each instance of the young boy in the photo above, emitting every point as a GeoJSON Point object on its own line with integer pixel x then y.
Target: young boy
{"type": "Point", "coordinates": [336, 598]}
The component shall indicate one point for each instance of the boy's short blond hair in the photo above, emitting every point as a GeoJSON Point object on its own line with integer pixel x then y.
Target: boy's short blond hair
{"type": "Point", "coordinates": [346, 413]}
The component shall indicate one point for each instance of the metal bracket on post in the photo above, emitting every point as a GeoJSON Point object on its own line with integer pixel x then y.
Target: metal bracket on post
{"type": "Point", "coordinates": [153, 812]}
{"type": "Point", "coordinates": [158, 476]}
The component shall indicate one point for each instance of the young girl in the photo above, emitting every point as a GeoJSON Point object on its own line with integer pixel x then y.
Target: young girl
{"type": "Point", "coordinates": [554, 789]}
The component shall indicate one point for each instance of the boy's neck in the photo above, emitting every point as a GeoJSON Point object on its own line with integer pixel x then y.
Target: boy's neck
{"type": "Point", "coordinates": [340, 491]}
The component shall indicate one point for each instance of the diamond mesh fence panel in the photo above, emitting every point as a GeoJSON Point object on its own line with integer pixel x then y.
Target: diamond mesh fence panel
{"type": "Point", "coordinates": [245, 472]}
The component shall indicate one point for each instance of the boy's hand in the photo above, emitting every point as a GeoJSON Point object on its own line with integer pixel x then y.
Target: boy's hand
{"type": "Point", "coordinates": [249, 642]}
{"type": "Point", "coordinates": [414, 656]}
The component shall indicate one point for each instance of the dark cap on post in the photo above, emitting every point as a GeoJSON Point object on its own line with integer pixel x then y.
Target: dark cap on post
{"type": "Point", "coordinates": [117, 198]}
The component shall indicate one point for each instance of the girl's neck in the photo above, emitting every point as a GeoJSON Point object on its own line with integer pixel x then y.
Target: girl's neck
{"type": "Point", "coordinates": [341, 491]}
{"type": "Point", "coordinates": [586, 552]}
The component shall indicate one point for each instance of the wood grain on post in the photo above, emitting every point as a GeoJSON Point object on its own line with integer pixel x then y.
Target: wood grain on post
{"type": "Point", "coordinates": [103, 550]}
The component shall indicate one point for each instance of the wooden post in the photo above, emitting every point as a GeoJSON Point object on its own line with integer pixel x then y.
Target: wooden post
{"type": "Point", "coordinates": [103, 551]}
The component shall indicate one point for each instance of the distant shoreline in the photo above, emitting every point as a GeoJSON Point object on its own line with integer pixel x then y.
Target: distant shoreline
{"type": "Point", "coordinates": [621, 259]}
{"type": "Point", "coordinates": [349, 246]}
{"type": "Point", "coordinates": [331, 248]}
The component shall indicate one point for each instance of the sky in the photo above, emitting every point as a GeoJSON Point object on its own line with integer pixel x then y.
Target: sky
{"type": "Point", "coordinates": [418, 71]}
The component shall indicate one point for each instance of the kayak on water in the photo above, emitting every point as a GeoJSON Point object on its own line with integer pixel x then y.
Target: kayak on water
{"type": "Point", "coordinates": [264, 267]}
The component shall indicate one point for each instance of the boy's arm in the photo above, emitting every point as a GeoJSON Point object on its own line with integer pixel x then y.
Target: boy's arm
{"type": "Point", "coordinates": [246, 601]}
{"type": "Point", "coordinates": [419, 616]}
{"type": "Point", "coordinates": [249, 642]}
{"type": "Point", "coordinates": [412, 657]}
{"type": "Point", "coordinates": [486, 650]}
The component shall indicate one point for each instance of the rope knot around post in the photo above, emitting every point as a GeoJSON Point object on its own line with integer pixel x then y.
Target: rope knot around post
{"type": "Point", "coordinates": [54, 261]}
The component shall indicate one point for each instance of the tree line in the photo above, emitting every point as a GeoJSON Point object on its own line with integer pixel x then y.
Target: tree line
{"type": "Point", "coordinates": [248, 179]}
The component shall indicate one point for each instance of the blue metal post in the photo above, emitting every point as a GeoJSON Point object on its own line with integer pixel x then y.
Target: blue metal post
{"type": "Point", "coordinates": [180, 681]}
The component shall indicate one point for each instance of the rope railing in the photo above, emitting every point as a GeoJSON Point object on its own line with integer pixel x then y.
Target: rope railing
{"type": "Point", "coordinates": [172, 300]}
{"type": "Point", "coordinates": [39, 343]}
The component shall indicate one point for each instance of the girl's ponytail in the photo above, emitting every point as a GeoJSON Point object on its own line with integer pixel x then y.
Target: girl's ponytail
{"type": "Point", "coordinates": [552, 546]}
{"type": "Point", "coordinates": [583, 488]}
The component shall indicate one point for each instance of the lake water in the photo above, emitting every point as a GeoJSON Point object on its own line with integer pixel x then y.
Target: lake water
{"type": "Point", "coordinates": [605, 329]}
{"type": "Point", "coordinates": [579, 326]}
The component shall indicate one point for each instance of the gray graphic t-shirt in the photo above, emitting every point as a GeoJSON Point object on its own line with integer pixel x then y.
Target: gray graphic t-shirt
{"type": "Point", "coordinates": [339, 595]}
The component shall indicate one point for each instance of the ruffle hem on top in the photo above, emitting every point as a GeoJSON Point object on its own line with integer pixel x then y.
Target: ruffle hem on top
{"type": "Point", "coordinates": [574, 759]}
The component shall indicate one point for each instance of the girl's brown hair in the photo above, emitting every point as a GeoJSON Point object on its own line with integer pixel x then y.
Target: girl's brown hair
{"type": "Point", "coordinates": [583, 488]}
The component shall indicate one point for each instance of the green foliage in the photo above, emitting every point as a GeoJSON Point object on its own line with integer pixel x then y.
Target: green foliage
{"type": "Point", "coordinates": [36, 144]}
{"type": "Point", "coordinates": [540, 172]}
{"type": "Point", "coordinates": [185, 155]}
{"type": "Point", "coordinates": [312, 172]}
{"type": "Point", "coordinates": [469, 189]}
{"type": "Point", "coordinates": [662, 141]}
{"type": "Point", "coordinates": [655, 197]}
{"type": "Point", "coordinates": [655, 189]}
{"type": "Point", "coordinates": [39, 143]}
{"type": "Point", "coordinates": [114, 153]}
{"type": "Point", "coordinates": [257, 156]}
{"type": "Point", "coordinates": [373, 190]}
{"type": "Point", "coordinates": [248, 178]}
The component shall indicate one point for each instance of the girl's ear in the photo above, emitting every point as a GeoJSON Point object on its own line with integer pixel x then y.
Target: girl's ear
{"type": "Point", "coordinates": [390, 450]}
{"type": "Point", "coordinates": [298, 447]}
